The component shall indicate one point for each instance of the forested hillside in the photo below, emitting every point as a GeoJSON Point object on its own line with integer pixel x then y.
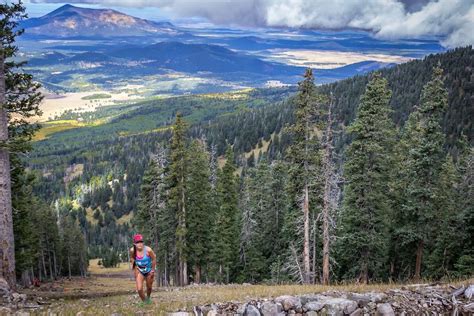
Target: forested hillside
{"type": "Point", "coordinates": [96, 171]}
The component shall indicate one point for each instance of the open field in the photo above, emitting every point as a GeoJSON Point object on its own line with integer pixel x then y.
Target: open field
{"type": "Point", "coordinates": [329, 59]}
{"type": "Point", "coordinates": [53, 127]}
{"type": "Point", "coordinates": [54, 105]}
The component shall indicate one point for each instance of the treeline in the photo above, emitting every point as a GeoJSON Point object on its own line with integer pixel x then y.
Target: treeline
{"type": "Point", "coordinates": [398, 208]}
{"type": "Point", "coordinates": [47, 240]}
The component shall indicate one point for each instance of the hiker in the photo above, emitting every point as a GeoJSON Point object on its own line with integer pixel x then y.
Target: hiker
{"type": "Point", "coordinates": [143, 261]}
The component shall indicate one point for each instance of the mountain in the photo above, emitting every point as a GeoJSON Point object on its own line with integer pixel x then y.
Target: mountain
{"type": "Point", "coordinates": [194, 58]}
{"type": "Point", "coordinates": [202, 60]}
{"type": "Point", "coordinates": [71, 21]}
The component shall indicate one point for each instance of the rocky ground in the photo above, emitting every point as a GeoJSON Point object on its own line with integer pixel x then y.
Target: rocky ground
{"type": "Point", "coordinates": [114, 296]}
{"type": "Point", "coordinates": [410, 300]}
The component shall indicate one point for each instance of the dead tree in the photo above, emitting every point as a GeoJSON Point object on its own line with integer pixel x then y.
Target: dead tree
{"type": "Point", "coordinates": [331, 192]}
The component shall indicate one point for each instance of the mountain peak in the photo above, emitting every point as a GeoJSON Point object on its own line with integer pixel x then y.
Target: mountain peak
{"type": "Point", "coordinates": [73, 21]}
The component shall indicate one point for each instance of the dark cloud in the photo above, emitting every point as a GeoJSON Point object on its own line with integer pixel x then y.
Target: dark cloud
{"type": "Point", "coordinates": [451, 19]}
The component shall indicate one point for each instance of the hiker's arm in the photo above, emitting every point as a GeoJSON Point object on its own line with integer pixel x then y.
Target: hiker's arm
{"type": "Point", "coordinates": [153, 260]}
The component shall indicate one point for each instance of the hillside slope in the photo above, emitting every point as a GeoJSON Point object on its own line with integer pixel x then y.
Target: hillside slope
{"type": "Point", "coordinates": [114, 154]}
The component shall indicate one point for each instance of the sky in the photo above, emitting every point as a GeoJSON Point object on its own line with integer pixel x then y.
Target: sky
{"type": "Point", "coordinates": [450, 20]}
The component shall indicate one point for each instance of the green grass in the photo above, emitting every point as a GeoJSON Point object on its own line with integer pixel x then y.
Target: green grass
{"type": "Point", "coordinates": [97, 96]}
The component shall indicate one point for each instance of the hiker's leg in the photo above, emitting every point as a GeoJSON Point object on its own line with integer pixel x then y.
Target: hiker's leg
{"type": "Point", "coordinates": [139, 278]}
{"type": "Point", "coordinates": [149, 283]}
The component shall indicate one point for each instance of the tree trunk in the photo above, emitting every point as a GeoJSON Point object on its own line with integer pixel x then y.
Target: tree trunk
{"type": "Point", "coordinates": [306, 261]}
{"type": "Point", "coordinates": [7, 246]}
{"type": "Point", "coordinates": [69, 265]}
{"type": "Point", "coordinates": [419, 257]}
{"type": "Point", "coordinates": [328, 186]}
{"type": "Point", "coordinates": [184, 271]}
{"type": "Point", "coordinates": [43, 262]}
{"type": "Point", "coordinates": [50, 266]}
{"type": "Point", "coordinates": [197, 278]}
{"type": "Point", "coordinates": [364, 273]}
{"type": "Point", "coordinates": [313, 267]}
{"type": "Point", "coordinates": [55, 264]}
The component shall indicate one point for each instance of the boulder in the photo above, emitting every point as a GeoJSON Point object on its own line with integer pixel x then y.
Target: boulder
{"type": "Point", "coordinates": [468, 308]}
{"type": "Point", "coordinates": [469, 292]}
{"type": "Point", "coordinates": [251, 310]}
{"type": "Point", "coordinates": [384, 309]}
{"type": "Point", "coordinates": [357, 312]}
{"type": "Point", "coordinates": [269, 308]}
{"type": "Point", "coordinates": [364, 299]}
{"type": "Point", "coordinates": [315, 306]}
{"type": "Point", "coordinates": [289, 302]}
{"type": "Point", "coordinates": [241, 309]}
{"type": "Point", "coordinates": [309, 298]}
{"type": "Point", "coordinates": [340, 306]}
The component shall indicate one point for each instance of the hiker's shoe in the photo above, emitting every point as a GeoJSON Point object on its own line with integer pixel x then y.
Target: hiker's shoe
{"type": "Point", "coordinates": [148, 301]}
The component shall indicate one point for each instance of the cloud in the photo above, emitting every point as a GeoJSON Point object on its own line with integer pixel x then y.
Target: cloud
{"type": "Point", "coordinates": [452, 20]}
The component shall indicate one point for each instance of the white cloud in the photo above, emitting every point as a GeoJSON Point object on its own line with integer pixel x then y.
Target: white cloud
{"type": "Point", "coordinates": [453, 20]}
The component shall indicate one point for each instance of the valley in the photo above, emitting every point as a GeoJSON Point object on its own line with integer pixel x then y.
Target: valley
{"type": "Point", "coordinates": [245, 158]}
{"type": "Point", "coordinates": [106, 58]}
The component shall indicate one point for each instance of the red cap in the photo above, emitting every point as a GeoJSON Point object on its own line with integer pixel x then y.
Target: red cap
{"type": "Point", "coordinates": [137, 238]}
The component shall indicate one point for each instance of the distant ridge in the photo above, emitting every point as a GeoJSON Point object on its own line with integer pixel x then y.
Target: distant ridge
{"type": "Point", "coordinates": [72, 21]}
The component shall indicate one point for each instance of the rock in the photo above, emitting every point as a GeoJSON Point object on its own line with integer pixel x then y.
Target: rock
{"type": "Point", "coordinates": [371, 306]}
{"type": "Point", "coordinates": [81, 313]}
{"type": "Point", "coordinates": [280, 308]}
{"type": "Point", "coordinates": [314, 306]}
{"type": "Point", "coordinates": [468, 308]}
{"type": "Point", "coordinates": [206, 310]}
{"type": "Point", "coordinates": [251, 310]}
{"type": "Point", "coordinates": [377, 297]}
{"type": "Point", "coordinates": [361, 299]}
{"type": "Point", "coordinates": [384, 309]}
{"type": "Point", "coordinates": [16, 297]}
{"type": "Point", "coordinates": [289, 302]}
{"type": "Point", "coordinates": [357, 312]}
{"type": "Point", "coordinates": [4, 287]}
{"type": "Point", "coordinates": [241, 309]}
{"type": "Point", "coordinates": [269, 309]}
{"type": "Point", "coordinates": [308, 298]}
{"type": "Point", "coordinates": [311, 313]}
{"type": "Point", "coordinates": [179, 314]}
{"type": "Point", "coordinates": [469, 292]}
{"type": "Point", "coordinates": [340, 306]}
{"type": "Point", "coordinates": [22, 313]}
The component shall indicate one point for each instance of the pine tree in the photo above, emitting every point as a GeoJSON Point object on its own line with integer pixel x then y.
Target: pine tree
{"type": "Point", "coordinates": [441, 258]}
{"type": "Point", "coordinates": [331, 195]}
{"type": "Point", "coordinates": [366, 171]}
{"type": "Point", "coordinates": [304, 158]}
{"type": "Point", "coordinates": [177, 175]}
{"type": "Point", "coordinates": [423, 163]}
{"type": "Point", "coordinates": [225, 236]}
{"type": "Point", "coordinates": [251, 257]}
{"type": "Point", "coordinates": [465, 257]}
{"type": "Point", "coordinates": [18, 95]}
{"type": "Point", "coordinates": [199, 205]}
